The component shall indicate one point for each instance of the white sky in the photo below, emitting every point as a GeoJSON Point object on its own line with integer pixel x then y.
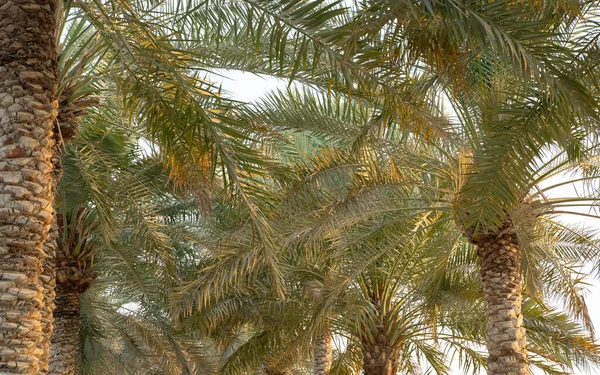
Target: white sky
{"type": "Point", "coordinates": [248, 87]}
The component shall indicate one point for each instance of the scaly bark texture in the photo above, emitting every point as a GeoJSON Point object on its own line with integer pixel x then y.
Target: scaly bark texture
{"type": "Point", "coordinates": [48, 280]}
{"type": "Point", "coordinates": [501, 277]}
{"type": "Point", "coordinates": [323, 353]}
{"type": "Point", "coordinates": [381, 357]}
{"type": "Point", "coordinates": [72, 280]}
{"type": "Point", "coordinates": [74, 275]}
{"type": "Point", "coordinates": [65, 339]}
{"type": "Point", "coordinates": [65, 128]}
{"type": "Point", "coordinates": [27, 111]}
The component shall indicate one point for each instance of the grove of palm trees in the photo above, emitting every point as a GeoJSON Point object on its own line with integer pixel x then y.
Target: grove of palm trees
{"type": "Point", "coordinates": [419, 194]}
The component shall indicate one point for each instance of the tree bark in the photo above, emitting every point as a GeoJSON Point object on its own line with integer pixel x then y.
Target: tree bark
{"type": "Point", "coordinates": [65, 339]}
{"type": "Point", "coordinates": [48, 276]}
{"type": "Point", "coordinates": [73, 277]}
{"type": "Point", "coordinates": [65, 128]}
{"type": "Point", "coordinates": [28, 108]}
{"type": "Point", "coordinates": [48, 280]}
{"type": "Point", "coordinates": [323, 353]}
{"type": "Point", "coordinates": [501, 277]}
{"type": "Point", "coordinates": [380, 358]}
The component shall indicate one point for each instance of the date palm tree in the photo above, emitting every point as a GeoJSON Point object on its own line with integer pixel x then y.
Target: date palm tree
{"type": "Point", "coordinates": [86, 67]}
{"type": "Point", "coordinates": [28, 109]}
{"type": "Point", "coordinates": [124, 326]}
{"type": "Point", "coordinates": [544, 240]}
{"type": "Point", "coordinates": [250, 324]}
{"type": "Point", "coordinates": [109, 221]}
{"type": "Point", "coordinates": [191, 101]}
{"type": "Point", "coordinates": [522, 82]}
{"type": "Point", "coordinates": [342, 197]}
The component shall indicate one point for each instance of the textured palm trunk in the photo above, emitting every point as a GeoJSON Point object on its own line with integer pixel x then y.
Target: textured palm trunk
{"type": "Point", "coordinates": [501, 278]}
{"type": "Point", "coordinates": [73, 277]}
{"type": "Point", "coordinates": [27, 111]}
{"type": "Point", "coordinates": [380, 358]}
{"type": "Point", "coordinates": [69, 126]}
{"type": "Point", "coordinates": [323, 353]}
{"type": "Point", "coordinates": [380, 352]}
{"type": "Point", "coordinates": [48, 276]}
{"type": "Point", "coordinates": [65, 339]}
{"type": "Point", "coordinates": [72, 280]}
{"type": "Point", "coordinates": [48, 280]}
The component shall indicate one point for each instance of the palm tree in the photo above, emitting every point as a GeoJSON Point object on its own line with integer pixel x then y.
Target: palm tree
{"type": "Point", "coordinates": [124, 325]}
{"type": "Point", "coordinates": [117, 340]}
{"type": "Point", "coordinates": [347, 199]}
{"type": "Point", "coordinates": [77, 55]}
{"type": "Point", "coordinates": [521, 86]}
{"type": "Point", "coordinates": [497, 80]}
{"type": "Point", "coordinates": [87, 53]}
{"type": "Point", "coordinates": [544, 241]}
{"type": "Point", "coordinates": [28, 109]}
{"type": "Point", "coordinates": [248, 322]}
{"type": "Point", "coordinates": [323, 353]}
{"type": "Point", "coordinates": [74, 275]}
{"type": "Point", "coordinates": [108, 220]}
{"type": "Point", "coordinates": [323, 350]}
{"type": "Point", "coordinates": [384, 316]}
{"type": "Point", "coordinates": [125, 328]}
{"type": "Point", "coordinates": [390, 318]}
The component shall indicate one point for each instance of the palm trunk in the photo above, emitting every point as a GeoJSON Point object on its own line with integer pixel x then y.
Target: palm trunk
{"type": "Point", "coordinates": [27, 111]}
{"type": "Point", "coordinates": [380, 358]}
{"type": "Point", "coordinates": [48, 279]}
{"type": "Point", "coordinates": [73, 277]}
{"type": "Point", "coordinates": [65, 339]}
{"type": "Point", "coordinates": [72, 280]}
{"type": "Point", "coordinates": [323, 353]}
{"type": "Point", "coordinates": [69, 126]}
{"type": "Point", "coordinates": [501, 278]}
{"type": "Point", "coordinates": [380, 354]}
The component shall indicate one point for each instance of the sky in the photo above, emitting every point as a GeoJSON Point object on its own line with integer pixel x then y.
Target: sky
{"type": "Point", "coordinates": [248, 87]}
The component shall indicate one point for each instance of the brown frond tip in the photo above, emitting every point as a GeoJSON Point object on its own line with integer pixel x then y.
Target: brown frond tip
{"type": "Point", "coordinates": [73, 275]}
{"type": "Point", "coordinates": [66, 126]}
{"type": "Point", "coordinates": [480, 236]}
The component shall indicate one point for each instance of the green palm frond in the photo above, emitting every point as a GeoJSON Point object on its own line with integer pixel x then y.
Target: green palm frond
{"type": "Point", "coordinates": [119, 340]}
{"type": "Point", "coordinates": [160, 96]}
{"type": "Point", "coordinates": [290, 39]}
{"type": "Point", "coordinates": [347, 361]}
